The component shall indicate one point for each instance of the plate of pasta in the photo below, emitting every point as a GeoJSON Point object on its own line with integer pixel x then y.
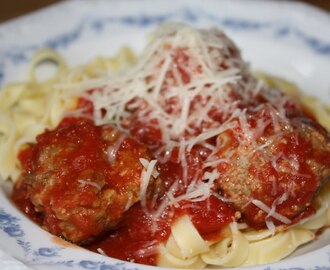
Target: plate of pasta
{"type": "Point", "coordinates": [143, 136]}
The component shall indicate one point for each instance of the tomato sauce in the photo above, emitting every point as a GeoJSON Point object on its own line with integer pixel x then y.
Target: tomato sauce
{"type": "Point", "coordinates": [138, 235]}
{"type": "Point", "coordinates": [83, 152]}
{"type": "Point", "coordinates": [69, 168]}
{"type": "Point", "coordinates": [138, 238]}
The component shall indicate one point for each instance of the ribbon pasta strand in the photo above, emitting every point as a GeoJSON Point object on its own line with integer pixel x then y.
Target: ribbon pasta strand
{"type": "Point", "coordinates": [29, 108]}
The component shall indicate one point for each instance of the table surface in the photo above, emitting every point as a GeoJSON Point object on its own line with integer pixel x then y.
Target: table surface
{"type": "Point", "coordinates": [13, 8]}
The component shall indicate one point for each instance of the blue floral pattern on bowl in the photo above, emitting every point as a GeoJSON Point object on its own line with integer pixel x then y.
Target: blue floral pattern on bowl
{"type": "Point", "coordinates": [54, 255]}
{"type": "Point", "coordinates": [187, 14]}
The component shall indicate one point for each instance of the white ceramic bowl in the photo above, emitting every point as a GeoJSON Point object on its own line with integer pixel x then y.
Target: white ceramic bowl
{"type": "Point", "coordinates": [288, 39]}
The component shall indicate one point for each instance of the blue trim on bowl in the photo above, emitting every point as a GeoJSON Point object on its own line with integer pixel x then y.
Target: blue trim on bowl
{"type": "Point", "coordinates": [22, 54]}
{"type": "Point", "coordinates": [51, 256]}
{"type": "Point", "coordinates": [11, 226]}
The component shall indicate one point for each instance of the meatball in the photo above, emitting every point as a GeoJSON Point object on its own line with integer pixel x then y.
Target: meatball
{"type": "Point", "coordinates": [81, 178]}
{"type": "Point", "coordinates": [275, 177]}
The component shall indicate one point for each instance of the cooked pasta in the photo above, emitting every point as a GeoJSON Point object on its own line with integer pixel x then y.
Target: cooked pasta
{"type": "Point", "coordinates": [312, 104]}
{"type": "Point", "coordinates": [240, 246]}
{"type": "Point", "coordinates": [194, 124]}
{"type": "Point", "coordinates": [30, 107]}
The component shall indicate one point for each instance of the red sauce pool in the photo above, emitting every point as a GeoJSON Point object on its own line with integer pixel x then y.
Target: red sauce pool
{"type": "Point", "coordinates": [137, 240]}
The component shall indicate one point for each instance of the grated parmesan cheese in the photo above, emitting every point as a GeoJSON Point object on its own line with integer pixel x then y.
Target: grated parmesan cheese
{"type": "Point", "coordinates": [145, 178]}
{"type": "Point", "coordinates": [112, 150]}
{"type": "Point", "coordinates": [191, 85]}
{"type": "Point", "coordinates": [90, 183]}
{"type": "Point", "coordinates": [271, 212]}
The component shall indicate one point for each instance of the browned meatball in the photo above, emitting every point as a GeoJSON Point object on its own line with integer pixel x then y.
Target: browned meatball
{"type": "Point", "coordinates": [275, 177]}
{"type": "Point", "coordinates": [81, 178]}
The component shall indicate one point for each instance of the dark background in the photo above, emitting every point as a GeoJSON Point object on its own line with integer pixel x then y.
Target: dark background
{"type": "Point", "coordinates": [12, 8]}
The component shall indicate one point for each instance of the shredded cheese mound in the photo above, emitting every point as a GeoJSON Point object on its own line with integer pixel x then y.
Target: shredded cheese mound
{"type": "Point", "coordinates": [191, 87]}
